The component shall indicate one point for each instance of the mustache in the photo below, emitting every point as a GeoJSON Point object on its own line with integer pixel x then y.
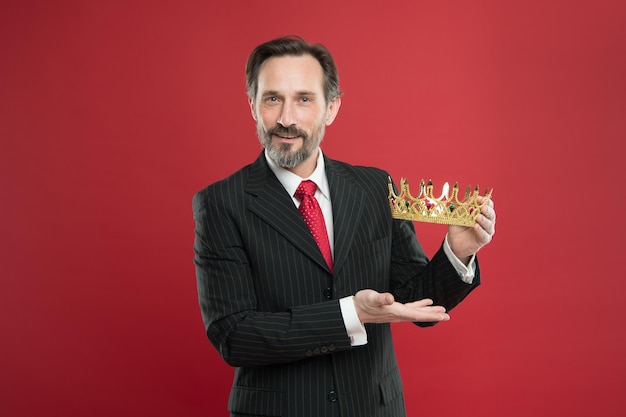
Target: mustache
{"type": "Point", "coordinates": [286, 131]}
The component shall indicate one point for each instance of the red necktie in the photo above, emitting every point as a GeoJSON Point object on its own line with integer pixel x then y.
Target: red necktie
{"type": "Point", "coordinates": [312, 215]}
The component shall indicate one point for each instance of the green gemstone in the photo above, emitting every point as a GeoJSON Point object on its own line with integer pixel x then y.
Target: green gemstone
{"type": "Point", "coordinates": [451, 207]}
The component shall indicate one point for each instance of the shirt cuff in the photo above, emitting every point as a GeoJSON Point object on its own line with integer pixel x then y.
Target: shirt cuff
{"type": "Point", "coordinates": [466, 272]}
{"type": "Point", "coordinates": [354, 327]}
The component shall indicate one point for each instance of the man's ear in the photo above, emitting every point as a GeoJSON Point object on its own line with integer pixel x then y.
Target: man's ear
{"type": "Point", "coordinates": [333, 109]}
{"type": "Point", "coordinates": [252, 109]}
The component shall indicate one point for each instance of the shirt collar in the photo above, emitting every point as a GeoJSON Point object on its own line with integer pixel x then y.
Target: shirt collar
{"type": "Point", "coordinates": [290, 181]}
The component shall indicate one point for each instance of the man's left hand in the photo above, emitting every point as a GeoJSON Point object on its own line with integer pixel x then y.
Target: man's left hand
{"type": "Point", "coordinates": [466, 241]}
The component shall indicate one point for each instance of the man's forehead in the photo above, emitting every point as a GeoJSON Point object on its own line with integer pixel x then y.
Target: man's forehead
{"type": "Point", "coordinates": [291, 72]}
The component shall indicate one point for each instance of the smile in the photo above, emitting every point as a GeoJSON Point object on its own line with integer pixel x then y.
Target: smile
{"type": "Point", "coordinates": [286, 137]}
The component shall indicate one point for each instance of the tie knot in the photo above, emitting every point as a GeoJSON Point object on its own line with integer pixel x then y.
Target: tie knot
{"type": "Point", "coordinates": [306, 188]}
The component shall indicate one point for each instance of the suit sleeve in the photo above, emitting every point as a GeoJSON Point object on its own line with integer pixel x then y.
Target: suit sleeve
{"type": "Point", "coordinates": [243, 335]}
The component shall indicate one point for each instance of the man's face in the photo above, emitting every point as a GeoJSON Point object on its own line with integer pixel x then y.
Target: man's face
{"type": "Point", "coordinates": [290, 109]}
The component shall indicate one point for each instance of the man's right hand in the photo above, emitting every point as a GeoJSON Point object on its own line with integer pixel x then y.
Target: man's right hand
{"type": "Point", "coordinates": [374, 307]}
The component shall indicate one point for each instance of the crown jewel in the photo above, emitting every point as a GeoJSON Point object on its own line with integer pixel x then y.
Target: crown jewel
{"type": "Point", "coordinates": [443, 210]}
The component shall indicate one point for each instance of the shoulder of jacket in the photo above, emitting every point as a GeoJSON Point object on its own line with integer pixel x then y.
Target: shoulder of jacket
{"type": "Point", "coordinates": [358, 170]}
{"type": "Point", "coordinates": [224, 189]}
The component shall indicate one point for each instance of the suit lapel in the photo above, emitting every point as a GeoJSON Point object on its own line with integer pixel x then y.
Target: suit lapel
{"type": "Point", "coordinates": [347, 199]}
{"type": "Point", "coordinates": [274, 205]}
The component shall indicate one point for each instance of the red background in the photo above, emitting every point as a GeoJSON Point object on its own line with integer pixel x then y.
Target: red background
{"type": "Point", "coordinates": [112, 114]}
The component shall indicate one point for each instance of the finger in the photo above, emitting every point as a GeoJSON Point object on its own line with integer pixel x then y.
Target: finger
{"type": "Point", "coordinates": [386, 299]}
{"type": "Point", "coordinates": [489, 212]}
{"type": "Point", "coordinates": [376, 299]}
{"type": "Point", "coordinates": [481, 228]}
{"type": "Point", "coordinates": [431, 315]}
{"type": "Point", "coordinates": [425, 302]}
{"type": "Point", "coordinates": [438, 311]}
{"type": "Point", "coordinates": [487, 218]}
{"type": "Point", "coordinates": [489, 225]}
{"type": "Point", "coordinates": [480, 199]}
{"type": "Point", "coordinates": [440, 315]}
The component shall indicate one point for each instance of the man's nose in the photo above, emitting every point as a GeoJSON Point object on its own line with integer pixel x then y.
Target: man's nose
{"type": "Point", "coordinates": [287, 115]}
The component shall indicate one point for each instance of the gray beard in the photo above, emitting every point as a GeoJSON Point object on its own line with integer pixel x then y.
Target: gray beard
{"type": "Point", "coordinates": [285, 158]}
{"type": "Point", "coordinates": [282, 155]}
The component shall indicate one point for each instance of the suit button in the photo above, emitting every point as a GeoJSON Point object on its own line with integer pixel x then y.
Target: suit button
{"type": "Point", "coordinates": [308, 353]}
{"type": "Point", "coordinates": [332, 396]}
{"type": "Point", "coordinates": [331, 348]}
{"type": "Point", "coordinates": [324, 349]}
{"type": "Point", "coordinates": [328, 293]}
{"type": "Point", "coordinates": [316, 351]}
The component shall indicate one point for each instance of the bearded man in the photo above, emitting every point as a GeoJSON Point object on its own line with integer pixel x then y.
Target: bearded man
{"type": "Point", "coordinates": [300, 266]}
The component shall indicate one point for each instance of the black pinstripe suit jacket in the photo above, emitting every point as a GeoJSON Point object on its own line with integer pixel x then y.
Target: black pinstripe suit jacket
{"type": "Point", "coordinates": [270, 304]}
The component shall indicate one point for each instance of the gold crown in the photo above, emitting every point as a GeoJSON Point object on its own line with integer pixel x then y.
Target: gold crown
{"type": "Point", "coordinates": [443, 210]}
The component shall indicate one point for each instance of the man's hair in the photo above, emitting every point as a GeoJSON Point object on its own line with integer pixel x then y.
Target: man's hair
{"type": "Point", "coordinates": [292, 46]}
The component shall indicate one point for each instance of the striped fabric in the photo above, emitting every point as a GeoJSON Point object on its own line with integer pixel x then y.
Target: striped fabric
{"type": "Point", "coordinates": [270, 304]}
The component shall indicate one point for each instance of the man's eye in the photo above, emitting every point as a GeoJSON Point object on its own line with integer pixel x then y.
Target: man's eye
{"type": "Point", "coordinates": [305, 99]}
